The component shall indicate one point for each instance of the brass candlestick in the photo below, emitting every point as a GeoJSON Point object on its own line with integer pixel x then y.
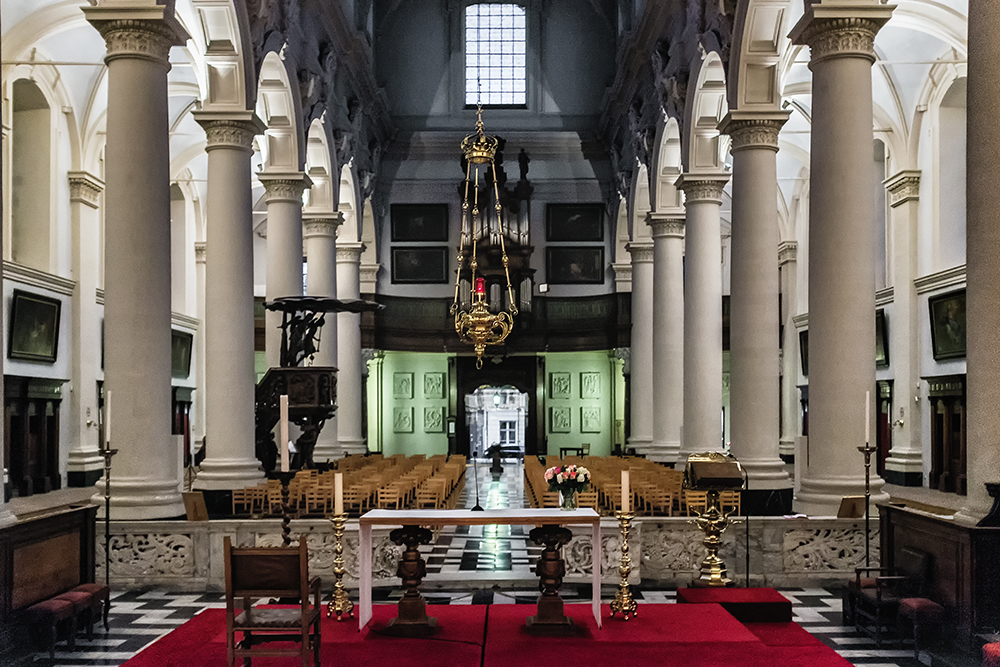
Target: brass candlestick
{"type": "Point", "coordinates": [624, 602]}
{"type": "Point", "coordinates": [713, 523]}
{"type": "Point", "coordinates": [868, 450]}
{"type": "Point", "coordinates": [340, 603]}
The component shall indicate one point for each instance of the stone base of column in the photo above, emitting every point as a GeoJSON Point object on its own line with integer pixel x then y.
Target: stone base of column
{"type": "Point", "coordinates": [904, 469]}
{"type": "Point", "coordinates": [821, 497]}
{"type": "Point", "coordinates": [786, 450]}
{"type": "Point", "coordinates": [639, 444]}
{"type": "Point", "coordinates": [327, 447]}
{"type": "Point", "coordinates": [7, 518]}
{"type": "Point", "coordinates": [84, 468]}
{"type": "Point", "coordinates": [140, 498]}
{"type": "Point", "coordinates": [353, 447]}
{"type": "Point", "coordinates": [663, 452]}
{"type": "Point", "coordinates": [223, 474]}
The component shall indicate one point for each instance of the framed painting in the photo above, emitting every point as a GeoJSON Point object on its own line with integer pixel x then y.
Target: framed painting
{"type": "Point", "coordinates": [419, 222]}
{"type": "Point", "coordinates": [947, 313]}
{"type": "Point", "coordinates": [180, 353]}
{"type": "Point", "coordinates": [560, 420]}
{"type": "Point", "coordinates": [881, 340]}
{"type": "Point", "coordinates": [574, 222]}
{"type": "Point", "coordinates": [559, 385]}
{"type": "Point", "coordinates": [433, 420]}
{"type": "Point", "coordinates": [420, 265]}
{"type": "Point", "coordinates": [402, 420]}
{"type": "Point", "coordinates": [34, 327]}
{"type": "Point", "coordinates": [402, 385]}
{"type": "Point", "coordinates": [590, 420]}
{"type": "Point", "coordinates": [433, 385]}
{"type": "Point", "coordinates": [574, 265]}
{"type": "Point", "coordinates": [804, 350]}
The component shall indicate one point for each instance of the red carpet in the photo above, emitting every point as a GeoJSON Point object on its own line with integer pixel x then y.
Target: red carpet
{"type": "Point", "coordinates": [689, 635]}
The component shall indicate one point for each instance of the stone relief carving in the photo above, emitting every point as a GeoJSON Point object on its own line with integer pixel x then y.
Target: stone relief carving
{"type": "Point", "coordinates": [676, 550]}
{"type": "Point", "coordinates": [809, 550]}
{"type": "Point", "coordinates": [135, 555]}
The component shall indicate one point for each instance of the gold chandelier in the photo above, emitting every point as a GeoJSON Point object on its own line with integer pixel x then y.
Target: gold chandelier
{"type": "Point", "coordinates": [477, 325]}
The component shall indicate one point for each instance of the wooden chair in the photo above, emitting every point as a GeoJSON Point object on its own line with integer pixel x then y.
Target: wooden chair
{"type": "Point", "coordinates": [588, 499]}
{"type": "Point", "coordinates": [271, 572]}
{"type": "Point", "coordinates": [696, 502]}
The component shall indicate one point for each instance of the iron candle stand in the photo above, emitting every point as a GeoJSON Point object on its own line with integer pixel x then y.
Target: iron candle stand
{"type": "Point", "coordinates": [867, 451]}
{"type": "Point", "coordinates": [107, 452]}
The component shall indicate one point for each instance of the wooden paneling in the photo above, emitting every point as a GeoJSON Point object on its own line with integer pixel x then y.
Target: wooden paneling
{"type": "Point", "coordinates": [40, 569]}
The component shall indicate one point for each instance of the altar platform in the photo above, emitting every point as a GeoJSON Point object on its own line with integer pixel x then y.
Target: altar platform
{"type": "Point", "coordinates": [692, 635]}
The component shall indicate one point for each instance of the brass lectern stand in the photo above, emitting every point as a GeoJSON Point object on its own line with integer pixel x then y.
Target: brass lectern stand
{"type": "Point", "coordinates": [713, 472]}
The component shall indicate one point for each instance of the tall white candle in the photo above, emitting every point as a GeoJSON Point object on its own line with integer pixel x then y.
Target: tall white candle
{"type": "Point", "coordinates": [338, 493]}
{"type": "Point", "coordinates": [868, 422]}
{"type": "Point", "coordinates": [283, 432]}
{"type": "Point", "coordinates": [626, 494]}
{"type": "Point", "coordinates": [107, 419]}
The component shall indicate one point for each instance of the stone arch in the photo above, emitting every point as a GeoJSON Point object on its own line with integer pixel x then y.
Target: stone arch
{"type": "Point", "coordinates": [702, 147]}
{"type": "Point", "coordinates": [638, 229]}
{"type": "Point", "coordinates": [352, 229]}
{"type": "Point", "coordinates": [666, 168]}
{"type": "Point", "coordinates": [759, 43]}
{"type": "Point", "coordinates": [221, 32]}
{"type": "Point", "coordinates": [324, 193]}
{"type": "Point", "coordinates": [281, 146]}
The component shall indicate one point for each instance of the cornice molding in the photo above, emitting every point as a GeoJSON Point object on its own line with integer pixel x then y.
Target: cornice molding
{"type": "Point", "coordinates": [36, 278]}
{"type": "Point", "coordinates": [953, 277]}
{"type": "Point", "coordinates": [788, 251]}
{"type": "Point", "coordinates": [199, 252]}
{"type": "Point", "coordinates": [903, 187]}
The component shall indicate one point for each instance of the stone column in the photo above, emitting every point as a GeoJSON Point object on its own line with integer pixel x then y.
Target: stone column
{"type": "Point", "coordinates": [787, 266]}
{"type": "Point", "coordinates": [284, 249]}
{"type": "Point", "coordinates": [198, 404]}
{"type": "Point", "coordinates": [841, 36]}
{"type": "Point", "coordinates": [702, 314]}
{"type": "Point", "coordinates": [230, 461]}
{"type": "Point", "coordinates": [754, 389]}
{"type": "Point", "coordinates": [320, 236]}
{"type": "Point", "coordinates": [668, 335]}
{"type": "Point", "coordinates": [983, 259]}
{"type": "Point", "coordinates": [350, 412]}
{"type": "Point", "coordinates": [905, 463]}
{"type": "Point", "coordinates": [85, 464]}
{"type": "Point", "coordinates": [641, 378]}
{"type": "Point", "coordinates": [145, 474]}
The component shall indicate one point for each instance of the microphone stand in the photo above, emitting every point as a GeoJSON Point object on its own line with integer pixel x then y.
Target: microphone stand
{"type": "Point", "coordinates": [475, 473]}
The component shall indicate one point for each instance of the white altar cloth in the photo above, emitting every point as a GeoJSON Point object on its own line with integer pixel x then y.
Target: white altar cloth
{"type": "Point", "coordinates": [465, 517]}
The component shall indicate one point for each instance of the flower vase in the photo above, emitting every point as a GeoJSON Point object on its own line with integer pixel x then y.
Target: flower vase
{"type": "Point", "coordinates": [567, 500]}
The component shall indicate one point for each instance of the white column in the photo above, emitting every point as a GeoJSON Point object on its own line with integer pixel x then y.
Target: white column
{"type": "Point", "coordinates": [668, 335]}
{"type": "Point", "coordinates": [702, 313]}
{"type": "Point", "coordinates": [284, 249]}
{"type": "Point", "coordinates": [145, 474]}
{"type": "Point", "coordinates": [230, 461]}
{"type": "Point", "coordinates": [85, 465]}
{"type": "Point", "coordinates": [905, 463]}
{"type": "Point", "coordinates": [320, 237]}
{"type": "Point", "coordinates": [349, 383]}
{"type": "Point", "coordinates": [983, 259]}
{"type": "Point", "coordinates": [787, 266]}
{"type": "Point", "coordinates": [754, 388]}
{"type": "Point", "coordinates": [198, 404]}
{"type": "Point", "coordinates": [841, 37]}
{"type": "Point", "coordinates": [641, 377]}
{"type": "Point", "coordinates": [7, 517]}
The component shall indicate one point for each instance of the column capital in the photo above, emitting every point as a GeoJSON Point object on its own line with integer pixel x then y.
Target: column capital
{"type": "Point", "coordinates": [840, 28]}
{"type": "Point", "coordinates": [284, 186]}
{"type": "Point", "coordinates": [705, 187]}
{"type": "Point", "coordinates": [749, 129]}
{"type": "Point", "coordinates": [623, 276]}
{"type": "Point", "coordinates": [350, 252]}
{"type": "Point", "coordinates": [144, 31]}
{"type": "Point", "coordinates": [667, 225]}
{"type": "Point", "coordinates": [368, 277]}
{"type": "Point", "coordinates": [199, 252]}
{"type": "Point", "coordinates": [322, 226]}
{"type": "Point", "coordinates": [85, 188]}
{"type": "Point", "coordinates": [641, 251]}
{"type": "Point", "coordinates": [230, 130]}
{"type": "Point", "coordinates": [903, 187]}
{"type": "Point", "coordinates": [788, 251]}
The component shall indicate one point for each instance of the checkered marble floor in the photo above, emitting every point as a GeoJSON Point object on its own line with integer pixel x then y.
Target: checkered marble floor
{"type": "Point", "coordinates": [498, 560]}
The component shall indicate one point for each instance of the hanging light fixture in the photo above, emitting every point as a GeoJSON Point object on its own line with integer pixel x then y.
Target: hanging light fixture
{"type": "Point", "coordinates": [477, 325]}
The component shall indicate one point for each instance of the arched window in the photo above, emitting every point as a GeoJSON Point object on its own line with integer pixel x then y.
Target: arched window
{"type": "Point", "coordinates": [31, 177]}
{"type": "Point", "coordinates": [495, 46]}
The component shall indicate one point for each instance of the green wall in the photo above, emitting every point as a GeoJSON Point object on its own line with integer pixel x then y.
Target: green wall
{"type": "Point", "coordinates": [413, 415]}
{"type": "Point", "coordinates": [584, 398]}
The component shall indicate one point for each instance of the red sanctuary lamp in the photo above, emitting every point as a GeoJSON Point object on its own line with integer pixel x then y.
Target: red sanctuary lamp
{"type": "Point", "coordinates": [477, 325]}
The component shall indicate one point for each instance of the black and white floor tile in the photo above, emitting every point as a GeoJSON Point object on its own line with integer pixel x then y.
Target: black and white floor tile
{"type": "Point", "coordinates": [497, 560]}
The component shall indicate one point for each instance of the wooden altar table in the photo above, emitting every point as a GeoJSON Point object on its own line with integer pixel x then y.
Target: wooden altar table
{"type": "Point", "coordinates": [465, 517]}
